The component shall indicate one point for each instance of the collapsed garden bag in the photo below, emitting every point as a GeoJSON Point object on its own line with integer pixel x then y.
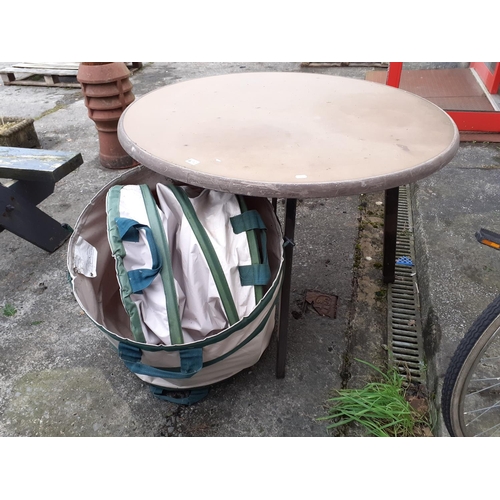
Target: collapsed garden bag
{"type": "Point", "coordinates": [184, 282]}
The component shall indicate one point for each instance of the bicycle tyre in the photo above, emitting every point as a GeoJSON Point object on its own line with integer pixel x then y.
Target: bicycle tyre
{"type": "Point", "coordinates": [470, 359]}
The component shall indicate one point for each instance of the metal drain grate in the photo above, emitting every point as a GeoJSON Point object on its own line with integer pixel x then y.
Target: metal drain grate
{"type": "Point", "coordinates": [405, 343]}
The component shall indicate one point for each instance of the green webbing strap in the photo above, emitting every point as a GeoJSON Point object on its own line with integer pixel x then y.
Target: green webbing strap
{"type": "Point", "coordinates": [166, 273]}
{"type": "Point", "coordinates": [118, 251]}
{"type": "Point", "coordinates": [255, 275]}
{"type": "Point", "coordinates": [192, 395]}
{"type": "Point", "coordinates": [191, 363]}
{"type": "Point", "coordinates": [209, 253]}
{"type": "Point", "coordinates": [253, 247]}
{"type": "Point", "coordinates": [259, 272]}
{"type": "Point", "coordinates": [129, 231]}
{"type": "Point", "coordinates": [246, 221]}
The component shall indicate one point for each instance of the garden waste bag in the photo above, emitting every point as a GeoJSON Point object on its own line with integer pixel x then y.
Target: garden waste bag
{"type": "Point", "coordinates": [184, 282]}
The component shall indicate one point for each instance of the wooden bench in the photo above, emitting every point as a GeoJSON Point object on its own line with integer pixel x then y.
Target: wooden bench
{"type": "Point", "coordinates": [31, 177]}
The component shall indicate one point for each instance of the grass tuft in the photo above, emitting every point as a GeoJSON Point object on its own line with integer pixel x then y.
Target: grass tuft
{"type": "Point", "coordinates": [379, 407]}
{"type": "Point", "coordinates": [9, 310]}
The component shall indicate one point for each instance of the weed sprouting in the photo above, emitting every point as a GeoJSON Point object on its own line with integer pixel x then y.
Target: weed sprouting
{"type": "Point", "coordinates": [9, 310]}
{"type": "Point", "coordinates": [379, 407]}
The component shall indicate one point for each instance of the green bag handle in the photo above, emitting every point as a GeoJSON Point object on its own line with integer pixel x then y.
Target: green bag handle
{"type": "Point", "coordinates": [209, 253]}
{"type": "Point", "coordinates": [191, 363]}
{"type": "Point", "coordinates": [139, 279]}
{"type": "Point", "coordinates": [259, 272]}
{"type": "Point", "coordinates": [192, 395]}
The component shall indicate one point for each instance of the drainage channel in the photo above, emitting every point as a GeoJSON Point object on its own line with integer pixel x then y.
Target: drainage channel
{"type": "Point", "coordinates": [405, 343]}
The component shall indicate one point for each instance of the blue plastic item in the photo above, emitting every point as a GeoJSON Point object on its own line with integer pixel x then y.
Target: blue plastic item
{"type": "Point", "coordinates": [404, 261]}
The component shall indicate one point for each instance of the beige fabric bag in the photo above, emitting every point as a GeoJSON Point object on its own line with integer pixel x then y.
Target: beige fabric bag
{"type": "Point", "coordinates": [200, 361]}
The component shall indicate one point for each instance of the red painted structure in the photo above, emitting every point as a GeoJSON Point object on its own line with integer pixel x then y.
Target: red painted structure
{"type": "Point", "coordinates": [467, 121]}
{"type": "Point", "coordinates": [490, 78]}
{"type": "Point", "coordinates": [394, 74]}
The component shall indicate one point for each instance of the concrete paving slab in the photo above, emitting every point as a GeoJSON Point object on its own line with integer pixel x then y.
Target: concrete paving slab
{"type": "Point", "coordinates": [458, 277]}
{"type": "Point", "coordinates": [33, 102]}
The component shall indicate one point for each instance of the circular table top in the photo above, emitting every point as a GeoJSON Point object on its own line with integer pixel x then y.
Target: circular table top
{"type": "Point", "coordinates": [288, 135]}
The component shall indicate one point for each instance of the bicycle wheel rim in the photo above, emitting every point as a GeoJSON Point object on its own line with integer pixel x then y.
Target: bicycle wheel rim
{"type": "Point", "coordinates": [474, 404]}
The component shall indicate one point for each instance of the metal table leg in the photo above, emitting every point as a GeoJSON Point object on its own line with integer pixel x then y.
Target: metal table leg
{"type": "Point", "coordinates": [290, 210]}
{"type": "Point", "coordinates": [390, 234]}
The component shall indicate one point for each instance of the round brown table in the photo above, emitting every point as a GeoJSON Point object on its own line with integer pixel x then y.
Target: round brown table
{"type": "Point", "coordinates": [288, 135]}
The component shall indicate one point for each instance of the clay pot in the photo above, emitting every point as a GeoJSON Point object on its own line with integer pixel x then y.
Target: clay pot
{"type": "Point", "coordinates": [108, 91]}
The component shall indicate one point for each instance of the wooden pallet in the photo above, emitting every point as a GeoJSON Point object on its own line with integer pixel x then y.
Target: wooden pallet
{"type": "Point", "coordinates": [54, 74]}
{"type": "Point", "coordinates": [344, 64]}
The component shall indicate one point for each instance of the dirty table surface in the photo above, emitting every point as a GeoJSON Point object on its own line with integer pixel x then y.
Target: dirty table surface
{"type": "Point", "coordinates": [289, 135]}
